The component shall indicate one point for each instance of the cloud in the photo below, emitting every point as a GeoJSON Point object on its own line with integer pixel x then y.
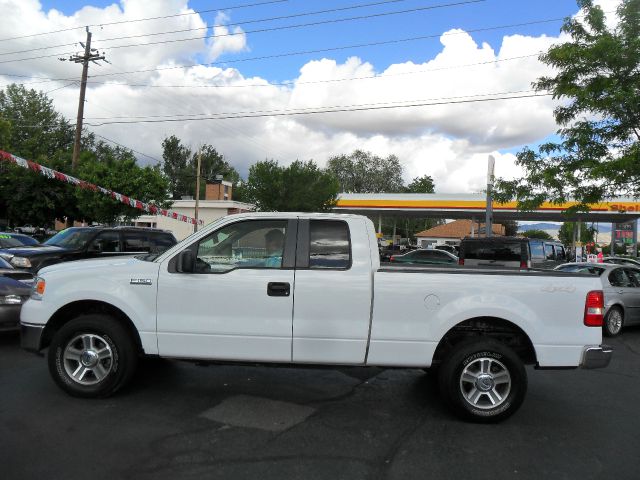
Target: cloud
{"type": "Point", "coordinates": [450, 141]}
{"type": "Point", "coordinates": [225, 40]}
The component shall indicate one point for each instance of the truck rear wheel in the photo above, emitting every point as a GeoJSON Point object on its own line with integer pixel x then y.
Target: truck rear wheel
{"type": "Point", "coordinates": [483, 380]}
{"type": "Point", "coordinates": [93, 355]}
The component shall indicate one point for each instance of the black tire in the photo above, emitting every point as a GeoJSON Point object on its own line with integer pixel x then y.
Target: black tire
{"type": "Point", "coordinates": [92, 355]}
{"type": "Point", "coordinates": [484, 361]}
{"type": "Point", "coordinates": [610, 325]}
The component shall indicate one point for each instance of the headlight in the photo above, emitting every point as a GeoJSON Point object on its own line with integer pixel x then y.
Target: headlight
{"type": "Point", "coordinates": [10, 300]}
{"type": "Point", "coordinates": [20, 262]}
{"type": "Point", "coordinates": [37, 289]}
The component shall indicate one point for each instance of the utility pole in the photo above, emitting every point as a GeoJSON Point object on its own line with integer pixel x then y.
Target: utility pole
{"type": "Point", "coordinates": [198, 188]}
{"type": "Point", "coordinates": [90, 55]}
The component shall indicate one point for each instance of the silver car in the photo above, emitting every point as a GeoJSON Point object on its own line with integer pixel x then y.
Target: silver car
{"type": "Point", "coordinates": [621, 286]}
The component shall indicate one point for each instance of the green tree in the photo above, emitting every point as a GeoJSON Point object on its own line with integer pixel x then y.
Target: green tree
{"type": "Point", "coordinates": [180, 164]}
{"type": "Point", "coordinates": [176, 158]}
{"type": "Point", "coordinates": [598, 81]}
{"type": "Point", "coordinates": [302, 186]}
{"type": "Point", "coordinates": [541, 234]}
{"type": "Point", "coordinates": [213, 164]}
{"type": "Point", "coordinates": [37, 130]}
{"type": "Point", "coordinates": [117, 170]}
{"type": "Point", "coordinates": [565, 234]}
{"type": "Point", "coordinates": [422, 184]}
{"type": "Point", "coordinates": [364, 172]}
{"type": "Point", "coordinates": [510, 227]}
{"type": "Point", "coordinates": [31, 128]}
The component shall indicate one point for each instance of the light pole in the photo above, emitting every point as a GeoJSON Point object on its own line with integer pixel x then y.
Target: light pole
{"type": "Point", "coordinates": [488, 224]}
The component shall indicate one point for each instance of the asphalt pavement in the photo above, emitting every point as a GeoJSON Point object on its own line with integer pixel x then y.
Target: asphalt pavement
{"type": "Point", "coordinates": [182, 421]}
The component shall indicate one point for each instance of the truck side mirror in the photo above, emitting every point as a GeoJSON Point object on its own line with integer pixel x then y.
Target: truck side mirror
{"type": "Point", "coordinates": [186, 262]}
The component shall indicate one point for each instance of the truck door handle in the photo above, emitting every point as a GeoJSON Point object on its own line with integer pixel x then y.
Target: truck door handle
{"type": "Point", "coordinates": [278, 289]}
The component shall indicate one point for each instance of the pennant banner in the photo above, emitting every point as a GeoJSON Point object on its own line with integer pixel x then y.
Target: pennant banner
{"type": "Point", "coordinates": [63, 177]}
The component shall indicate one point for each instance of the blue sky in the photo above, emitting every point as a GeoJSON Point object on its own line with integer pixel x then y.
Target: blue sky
{"type": "Point", "coordinates": [449, 141]}
{"type": "Point", "coordinates": [468, 17]}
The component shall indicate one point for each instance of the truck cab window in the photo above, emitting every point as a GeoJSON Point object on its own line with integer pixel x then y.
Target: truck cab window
{"type": "Point", "coordinates": [250, 244]}
{"type": "Point", "coordinates": [329, 245]}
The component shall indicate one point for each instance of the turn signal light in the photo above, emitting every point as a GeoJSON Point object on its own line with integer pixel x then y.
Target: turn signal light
{"type": "Point", "coordinates": [37, 288]}
{"type": "Point", "coordinates": [594, 309]}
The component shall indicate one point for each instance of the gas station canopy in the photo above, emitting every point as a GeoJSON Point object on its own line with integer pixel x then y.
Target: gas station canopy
{"type": "Point", "coordinates": [432, 205]}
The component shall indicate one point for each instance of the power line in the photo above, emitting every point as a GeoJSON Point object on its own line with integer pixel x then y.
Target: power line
{"type": "Point", "coordinates": [301, 25]}
{"type": "Point", "coordinates": [128, 148]}
{"type": "Point", "coordinates": [331, 49]}
{"type": "Point", "coordinates": [260, 20]}
{"type": "Point", "coordinates": [319, 110]}
{"type": "Point", "coordinates": [262, 30]}
{"type": "Point", "coordinates": [145, 19]}
{"type": "Point", "coordinates": [268, 19]}
{"type": "Point", "coordinates": [290, 82]}
{"type": "Point", "coordinates": [336, 109]}
{"type": "Point", "coordinates": [60, 88]}
{"type": "Point", "coordinates": [338, 48]}
{"type": "Point", "coordinates": [184, 115]}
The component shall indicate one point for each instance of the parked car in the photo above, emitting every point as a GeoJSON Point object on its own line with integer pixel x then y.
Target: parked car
{"type": "Point", "coordinates": [8, 271]}
{"type": "Point", "coordinates": [79, 243]}
{"type": "Point", "coordinates": [621, 286]}
{"type": "Point", "coordinates": [15, 287]}
{"type": "Point", "coordinates": [452, 249]}
{"type": "Point", "coordinates": [511, 252]}
{"type": "Point", "coordinates": [622, 261]}
{"type": "Point", "coordinates": [547, 253]}
{"type": "Point", "coordinates": [10, 239]}
{"type": "Point", "coordinates": [386, 252]}
{"type": "Point", "coordinates": [30, 229]}
{"type": "Point", "coordinates": [426, 256]}
{"type": "Point", "coordinates": [226, 293]}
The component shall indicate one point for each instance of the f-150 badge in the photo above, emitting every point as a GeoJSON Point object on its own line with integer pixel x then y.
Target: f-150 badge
{"type": "Point", "coordinates": [140, 281]}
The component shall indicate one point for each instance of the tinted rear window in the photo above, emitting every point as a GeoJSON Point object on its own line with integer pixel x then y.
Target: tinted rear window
{"type": "Point", "coordinates": [161, 241]}
{"type": "Point", "coordinates": [537, 250]}
{"type": "Point", "coordinates": [507, 251]}
{"type": "Point", "coordinates": [136, 242]}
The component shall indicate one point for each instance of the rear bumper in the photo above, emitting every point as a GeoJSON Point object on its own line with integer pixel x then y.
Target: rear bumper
{"type": "Point", "coordinates": [31, 336]}
{"type": "Point", "coordinates": [596, 356]}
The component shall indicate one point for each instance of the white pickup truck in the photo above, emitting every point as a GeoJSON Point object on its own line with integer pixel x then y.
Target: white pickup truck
{"type": "Point", "coordinates": [288, 288]}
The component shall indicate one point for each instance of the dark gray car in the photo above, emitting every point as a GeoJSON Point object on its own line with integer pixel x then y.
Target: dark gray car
{"type": "Point", "coordinates": [621, 286]}
{"type": "Point", "coordinates": [15, 287]}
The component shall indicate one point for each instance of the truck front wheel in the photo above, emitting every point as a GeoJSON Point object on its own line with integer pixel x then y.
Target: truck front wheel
{"type": "Point", "coordinates": [483, 380]}
{"type": "Point", "coordinates": [92, 355]}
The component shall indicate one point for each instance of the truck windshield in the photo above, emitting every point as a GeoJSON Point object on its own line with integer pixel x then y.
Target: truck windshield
{"type": "Point", "coordinates": [71, 238]}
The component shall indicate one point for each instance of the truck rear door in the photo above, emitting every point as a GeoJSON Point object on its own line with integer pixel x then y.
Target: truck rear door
{"type": "Point", "coordinates": [333, 291]}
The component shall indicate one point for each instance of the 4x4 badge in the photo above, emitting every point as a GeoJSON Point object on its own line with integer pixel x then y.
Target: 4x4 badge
{"type": "Point", "coordinates": [140, 281]}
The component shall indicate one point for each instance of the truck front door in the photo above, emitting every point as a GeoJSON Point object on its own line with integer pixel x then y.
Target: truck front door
{"type": "Point", "coordinates": [238, 304]}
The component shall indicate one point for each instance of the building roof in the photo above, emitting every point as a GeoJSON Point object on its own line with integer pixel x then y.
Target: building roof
{"type": "Point", "coordinates": [458, 229]}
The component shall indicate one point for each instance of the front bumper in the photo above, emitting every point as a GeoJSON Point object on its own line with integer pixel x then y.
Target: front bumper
{"type": "Point", "coordinates": [9, 317]}
{"type": "Point", "coordinates": [596, 356]}
{"type": "Point", "coordinates": [31, 336]}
